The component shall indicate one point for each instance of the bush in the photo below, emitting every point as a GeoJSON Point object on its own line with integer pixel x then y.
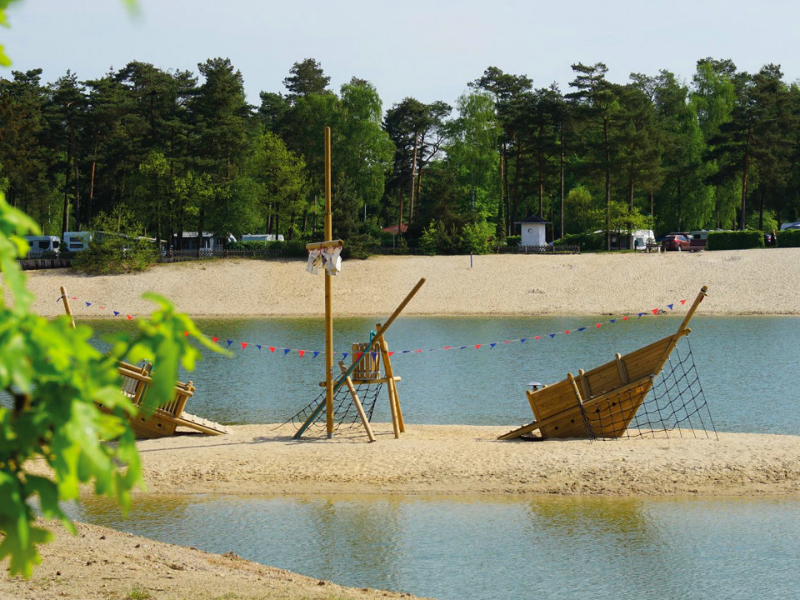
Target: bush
{"type": "Point", "coordinates": [512, 241]}
{"type": "Point", "coordinates": [291, 249]}
{"type": "Point", "coordinates": [114, 255]}
{"type": "Point", "coordinates": [735, 240]}
{"type": "Point", "coordinates": [588, 242]}
{"type": "Point", "coordinates": [476, 238]}
{"type": "Point", "coordinates": [788, 238]}
{"type": "Point", "coordinates": [360, 246]}
{"type": "Point", "coordinates": [117, 246]}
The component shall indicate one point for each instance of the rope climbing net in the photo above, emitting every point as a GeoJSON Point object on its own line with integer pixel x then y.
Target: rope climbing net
{"type": "Point", "coordinates": [674, 405]}
{"type": "Point", "coordinates": [343, 406]}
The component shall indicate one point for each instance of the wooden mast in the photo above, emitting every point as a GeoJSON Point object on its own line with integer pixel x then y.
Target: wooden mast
{"type": "Point", "coordinates": [328, 291]}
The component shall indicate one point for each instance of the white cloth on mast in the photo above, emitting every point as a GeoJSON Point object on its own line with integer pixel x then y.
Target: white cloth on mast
{"type": "Point", "coordinates": [314, 261]}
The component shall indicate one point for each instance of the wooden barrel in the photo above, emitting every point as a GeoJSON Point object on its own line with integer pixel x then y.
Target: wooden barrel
{"type": "Point", "coordinates": [370, 366]}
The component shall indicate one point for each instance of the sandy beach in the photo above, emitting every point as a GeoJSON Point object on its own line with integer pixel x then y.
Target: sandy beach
{"type": "Point", "coordinates": [427, 459]}
{"type": "Point", "coordinates": [744, 282]}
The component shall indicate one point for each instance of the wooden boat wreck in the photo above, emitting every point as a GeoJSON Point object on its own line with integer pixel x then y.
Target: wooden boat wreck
{"type": "Point", "coordinates": [166, 419]}
{"type": "Point", "coordinates": [602, 402]}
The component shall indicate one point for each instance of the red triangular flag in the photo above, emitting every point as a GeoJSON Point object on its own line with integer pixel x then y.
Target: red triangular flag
{"type": "Point", "coordinates": [683, 301]}
{"type": "Point", "coordinates": [185, 334]}
{"type": "Point", "coordinates": [598, 325]}
{"type": "Point", "coordinates": [624, 318]}
{"type": "Point", "coordinates": [244, 345]}
{"type": "Point", "coordinates": [301, 352]}
{"type": "Point", "coordinates": [214, 339]}
{"type": "Point", "coordinates": [390, 353]}
{"type": "Point", "coordinates": [566, 331]}
{"type": "Point", "coordinates": [272, 348]}
{"type": "Point", "coordinates": [478, 346]}
{"type": "Point", "coordinates": [129, 317]}
{"type": "Point", "coordinates": [537, 337]}
{"type": "Point", "coordinates": [447, 347]}
{"type": "Point", "coordinates": [655, 311]}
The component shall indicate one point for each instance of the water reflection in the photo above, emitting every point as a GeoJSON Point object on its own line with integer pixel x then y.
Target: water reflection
{"type": "Point", "coordinates": [494, 547]}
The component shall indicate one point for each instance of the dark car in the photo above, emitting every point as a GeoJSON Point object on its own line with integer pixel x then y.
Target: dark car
{"type": "Point", "coordinates": [675, 242]}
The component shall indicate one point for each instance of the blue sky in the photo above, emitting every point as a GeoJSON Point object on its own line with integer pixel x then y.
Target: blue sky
{"type": "Point", "coordinates": [425, 49]}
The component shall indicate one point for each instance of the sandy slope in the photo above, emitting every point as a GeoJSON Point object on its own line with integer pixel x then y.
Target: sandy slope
{"type": "Point", "coordinates": [742, 282]}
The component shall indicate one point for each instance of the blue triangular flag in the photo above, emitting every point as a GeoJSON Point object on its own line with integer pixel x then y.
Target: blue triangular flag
{"type": "Point", "coordinates": [374, 355]}
{"type": "Point", "coordinates": [582, 328]}
{"type": "Point", "coordinates": [522, 341]}
{"type": "Point", "coordinates": [492, 345]}
{"type": "Point", "coordinates": [344, 355]}
{"type": "Point", "coordinates": [462, 347]}
{"type": "Point", "coordinates": [258, 346]}
{"type": "Point", "coordinates": [640, 315]}
{"type": "Point", "coordinates": [229, 343]}
{"type": "Point", "coordinates": [286, 351]}
{"type": "Point", "coordinates": [116, 314]}
{"type": "Point", "coordinates": [670, 306]}
{"type": "Point", "coordinates": [316, 352]}
{"type": "Point", "coordinates": [552, 336]}
{"type": "Point", "coordinates": [613, 320]}
{"type": "Point", "coordinates": [88, 304]}
{"type": "Point", "coordinates": [405, 351]}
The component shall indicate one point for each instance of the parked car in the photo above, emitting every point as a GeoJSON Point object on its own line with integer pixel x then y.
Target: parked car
{"type": "Point", "coordinates": [675, 242]}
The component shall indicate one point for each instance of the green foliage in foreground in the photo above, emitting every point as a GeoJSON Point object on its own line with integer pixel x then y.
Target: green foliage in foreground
{"type": "Point", "coordinates": [734, 240]}
{"type": "Point", "coordinates": [789, 238]}
{"type": "Point", "coordinates": [53, 377]}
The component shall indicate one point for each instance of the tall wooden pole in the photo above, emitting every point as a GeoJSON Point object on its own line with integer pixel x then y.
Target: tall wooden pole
{"type": "Point", "coordinates": [328, 291]}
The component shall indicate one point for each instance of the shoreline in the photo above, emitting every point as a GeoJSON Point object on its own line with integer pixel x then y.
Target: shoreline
{"type": "Point", "coordinates": [469, 460]}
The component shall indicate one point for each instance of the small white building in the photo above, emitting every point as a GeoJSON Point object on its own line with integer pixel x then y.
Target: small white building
{"type": "Point", "coordinates": [533, 230]}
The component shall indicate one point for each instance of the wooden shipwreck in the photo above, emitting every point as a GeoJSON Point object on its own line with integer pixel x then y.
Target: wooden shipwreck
{"type": "Point", "coordinates": [601, 402]}
{"type": "Point", "coordinates": [166, 419]}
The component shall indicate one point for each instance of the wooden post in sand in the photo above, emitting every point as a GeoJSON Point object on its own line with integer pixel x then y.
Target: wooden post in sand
{"type": "Point", "coordinates": [67, 307]}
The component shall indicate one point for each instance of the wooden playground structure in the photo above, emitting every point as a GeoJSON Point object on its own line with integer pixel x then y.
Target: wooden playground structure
{"type": "Point", "coordinates": [365, 367]}
{"type": "Point", "coordinates": [166, 418]}
{"type": "Point", "coordinates": [602, 402]}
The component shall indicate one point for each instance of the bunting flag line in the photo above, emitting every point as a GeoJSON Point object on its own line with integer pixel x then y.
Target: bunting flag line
{"type": "Point", "coordinates": [486, 345]}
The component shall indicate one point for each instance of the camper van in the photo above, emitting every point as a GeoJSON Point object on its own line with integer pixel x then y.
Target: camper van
{"type": "Point", "coordinates": [41, 244]}
{"type": "Point", "coordinates": [77, 241]}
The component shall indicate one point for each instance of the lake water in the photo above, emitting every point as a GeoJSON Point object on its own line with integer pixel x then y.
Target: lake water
{"type": "Point", "coordinates": [748, 366]}
{"type": "Point", "coordinates": [496, 547]}
{"type": "Point", "coordinates": [486, 548]}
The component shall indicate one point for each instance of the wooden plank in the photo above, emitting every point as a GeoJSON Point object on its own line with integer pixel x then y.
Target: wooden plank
{"type": "Point", "coordinates": [623, 373]}
{"type": "Point", "coordinates": [201, 425]}
{"type": "Point", "coordinates": [564, 414]}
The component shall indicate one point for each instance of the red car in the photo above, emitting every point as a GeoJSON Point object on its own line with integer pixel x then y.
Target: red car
{"type": "Point", "coordinates": [675, 242]}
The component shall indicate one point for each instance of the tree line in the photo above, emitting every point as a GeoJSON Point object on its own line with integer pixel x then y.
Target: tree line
{"type": "Point", "coordinates": [186, 152]}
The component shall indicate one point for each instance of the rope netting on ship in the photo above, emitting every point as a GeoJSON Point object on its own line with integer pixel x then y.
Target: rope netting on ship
{"type": "Point", "coordinates": [343, 407]}
{"type": "Point", "coordinates": [675, 405]}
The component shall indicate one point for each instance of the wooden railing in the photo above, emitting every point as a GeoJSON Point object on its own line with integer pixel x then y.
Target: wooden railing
{"type": "Point", "coordinates": [136, 380]}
